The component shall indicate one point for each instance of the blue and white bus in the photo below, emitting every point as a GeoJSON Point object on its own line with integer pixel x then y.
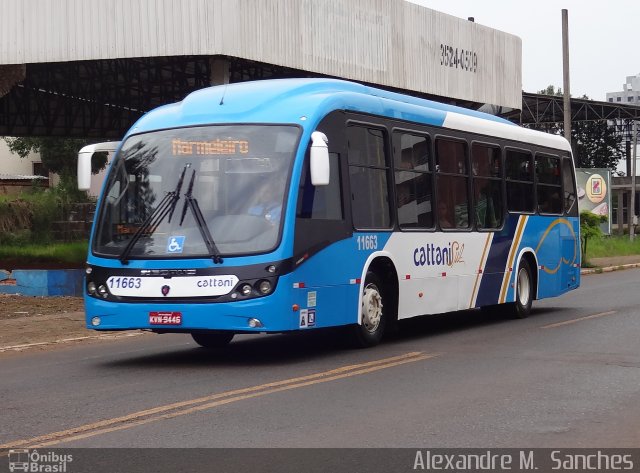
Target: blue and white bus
{"type": "Point", "coordinates": [301, 204]}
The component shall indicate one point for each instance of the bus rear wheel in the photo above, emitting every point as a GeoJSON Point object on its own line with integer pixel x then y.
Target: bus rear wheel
{"type": "Point", "coordinates": [521, 308]}
{"type": "Point", "coordinates": [212, 340]}
{"type": "Point", "coordinates": [372, 313]}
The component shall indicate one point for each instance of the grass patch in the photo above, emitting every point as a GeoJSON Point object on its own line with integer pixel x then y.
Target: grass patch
{"type": "Point", "coordinates": [72, 254]}
{"type": "Point", "coordinates": [614, 245]}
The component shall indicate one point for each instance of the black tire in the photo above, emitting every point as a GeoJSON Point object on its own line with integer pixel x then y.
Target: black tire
{"type": "Point", "coordinates": [521, 308]}
{"type": "Point", "coordinates": [373, 313]}
{"type": "Point", "coordinates": [212, 340]}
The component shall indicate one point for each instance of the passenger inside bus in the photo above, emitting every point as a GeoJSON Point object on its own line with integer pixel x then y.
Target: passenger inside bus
{"type": "Point", "coordinates": [444, 215]}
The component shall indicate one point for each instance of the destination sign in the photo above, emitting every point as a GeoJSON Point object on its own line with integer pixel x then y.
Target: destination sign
{"type": "Point", "coordinates": [209, 148]}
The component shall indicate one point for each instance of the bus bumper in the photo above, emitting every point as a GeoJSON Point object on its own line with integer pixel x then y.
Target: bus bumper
{"type": "Point", "coordinates": [285, 310]}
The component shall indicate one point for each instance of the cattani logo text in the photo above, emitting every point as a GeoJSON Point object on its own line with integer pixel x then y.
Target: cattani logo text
{"type": "Point", "coordinates": [433, 255]}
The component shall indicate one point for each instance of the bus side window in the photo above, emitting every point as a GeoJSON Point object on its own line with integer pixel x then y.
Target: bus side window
{"type": "Point", "coordinates": [519, 174]}
{"type": "Point", "coordinates": [321, 202]}
{"type": "Point", "coordinates": [452, 178]}
{"type": "Point", "coordinates": [549, 187]}
{"type": "Point", "coordinates": [487, 186]}
{"type": "Point", "coordinates": [368, 175]}
{"type": "Point", "coordinates": [413, 180]}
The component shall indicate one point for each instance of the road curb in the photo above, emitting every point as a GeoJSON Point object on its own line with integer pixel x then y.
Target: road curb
{"type": "Point", "coordinates": [608, 269]}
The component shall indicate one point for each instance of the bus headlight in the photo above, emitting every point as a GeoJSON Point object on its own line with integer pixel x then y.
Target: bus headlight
{"type": "Point", "coordinates": [252, 288]}
{"type": "Point", "coordinates": [264, 287]}
{"type": "Point", "coordinates": [91, 288]}
{"type": "Point", "coordinates": [103, 291]}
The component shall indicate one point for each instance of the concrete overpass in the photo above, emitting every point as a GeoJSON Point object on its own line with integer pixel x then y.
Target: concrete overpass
{"type": "Point", "coordinates": [91, 68]}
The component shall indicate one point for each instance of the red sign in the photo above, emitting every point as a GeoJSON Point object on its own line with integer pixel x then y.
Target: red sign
{"type": "Point", "coordinates": [165, 318]}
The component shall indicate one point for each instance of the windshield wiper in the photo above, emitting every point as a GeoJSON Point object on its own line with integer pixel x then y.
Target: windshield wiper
{"type": "Point", "coordinates": [166, 206]}
{"type": "Point", "coordinates": [191, 203]}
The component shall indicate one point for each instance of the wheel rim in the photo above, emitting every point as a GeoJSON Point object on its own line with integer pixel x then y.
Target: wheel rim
{"type": "Point", "coordinates": [371, 308]}
{"type": "Point", "coordinates": [524, 287]}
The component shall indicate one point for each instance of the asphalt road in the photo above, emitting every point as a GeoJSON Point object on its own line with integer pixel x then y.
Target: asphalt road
{"type": "Point", "coordinates": [567, 376]}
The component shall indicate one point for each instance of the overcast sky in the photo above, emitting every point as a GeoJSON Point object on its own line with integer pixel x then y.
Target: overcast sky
{"type": "Point", "coordinates": [603, 39]}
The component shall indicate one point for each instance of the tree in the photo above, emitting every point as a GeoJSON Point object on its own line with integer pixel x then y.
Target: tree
{"type": "Point", "coordinates": [589, 229]}
{"type": "Point", "coordinates": [595, 144]}
{"type": "Point", "coordinates": [59, 155]}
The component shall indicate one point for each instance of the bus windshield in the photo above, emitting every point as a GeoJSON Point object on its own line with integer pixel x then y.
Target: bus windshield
{"type": "Point", "coordinates": [161, 183]}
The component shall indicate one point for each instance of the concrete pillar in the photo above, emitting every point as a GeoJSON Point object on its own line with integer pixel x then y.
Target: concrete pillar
{"type": "Point", "coordinates": [565, 75]}
{"type": "Point", "coordinates": [219, 70]}
{"type": "Point", "coordinates": [629, 214]}
{"type": "Point", "coordinates": [619, 212]}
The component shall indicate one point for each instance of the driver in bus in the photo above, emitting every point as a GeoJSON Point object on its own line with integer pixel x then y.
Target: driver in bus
{"type": "Point", "coordinates": [267, 204]}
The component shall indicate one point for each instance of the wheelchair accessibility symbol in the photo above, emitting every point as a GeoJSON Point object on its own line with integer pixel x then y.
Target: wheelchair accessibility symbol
{"type": "Point", "coordinates": [175, 244]}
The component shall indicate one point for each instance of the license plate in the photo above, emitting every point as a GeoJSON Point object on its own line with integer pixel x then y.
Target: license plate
{"type": "Point", "coordinates": [165, 318]}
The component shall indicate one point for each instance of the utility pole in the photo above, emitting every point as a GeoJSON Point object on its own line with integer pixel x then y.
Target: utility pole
{"type": "Point", "coordinates": [632, 209]}
{"type": "Point", "coordinates": [565, 74]}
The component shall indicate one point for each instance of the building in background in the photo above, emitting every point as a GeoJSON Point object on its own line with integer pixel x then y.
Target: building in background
{"type": "Point", "coordinates": [17, 173]}
{"type": "Point", "coordinates": [630, 93]}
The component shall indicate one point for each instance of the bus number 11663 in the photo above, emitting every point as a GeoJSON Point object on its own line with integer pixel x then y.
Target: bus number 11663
{"type": "Point", "coordinates": [368, 242]}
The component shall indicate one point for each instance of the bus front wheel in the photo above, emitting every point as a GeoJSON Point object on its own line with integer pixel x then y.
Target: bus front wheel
{"type": "Point", "coordinates": [212, 340]}
{"type": "Point", "coordinates": [372, 313]}
{"type": "Point", "coordinates": [524, 291]}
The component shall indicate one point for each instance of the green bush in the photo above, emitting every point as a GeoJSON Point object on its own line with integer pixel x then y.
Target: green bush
{"type": "Point", "coordinates": [589, 230]}
{"type": "Point", "coordinates": [14, 215]}
{"type": "Point", "coordinates": [28, 217]}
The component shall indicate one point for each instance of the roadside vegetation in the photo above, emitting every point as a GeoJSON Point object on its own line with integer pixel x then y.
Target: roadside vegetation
{"type": "Point", "coordinates": [27, 217]}
{"type": "Point", "coordinates": [595, 244]}
{"type": "Point", "coordinates": [47, 226]}
{"type": "Point", "coordinates": [32, 225]}
{"type": "Point", "coordinates": [614, 245]}
{"type": "Point", "coordinates": [589, 231]}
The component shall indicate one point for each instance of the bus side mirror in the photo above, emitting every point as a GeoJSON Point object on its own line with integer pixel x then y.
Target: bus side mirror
{"type": "Point", "coordinates": [320, 168]}
{"type": "Point", "coordinates": [84, 161]}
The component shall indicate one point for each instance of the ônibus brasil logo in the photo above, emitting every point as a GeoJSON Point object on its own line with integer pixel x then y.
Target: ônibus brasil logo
{"type": "Point", "coordinates": [33, 461]}
{"type": "Point", "coordinates": [434, 255]}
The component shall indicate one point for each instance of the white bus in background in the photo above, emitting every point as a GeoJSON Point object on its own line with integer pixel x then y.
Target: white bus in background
{"type": "Point", "coordinates": [94, 185]}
